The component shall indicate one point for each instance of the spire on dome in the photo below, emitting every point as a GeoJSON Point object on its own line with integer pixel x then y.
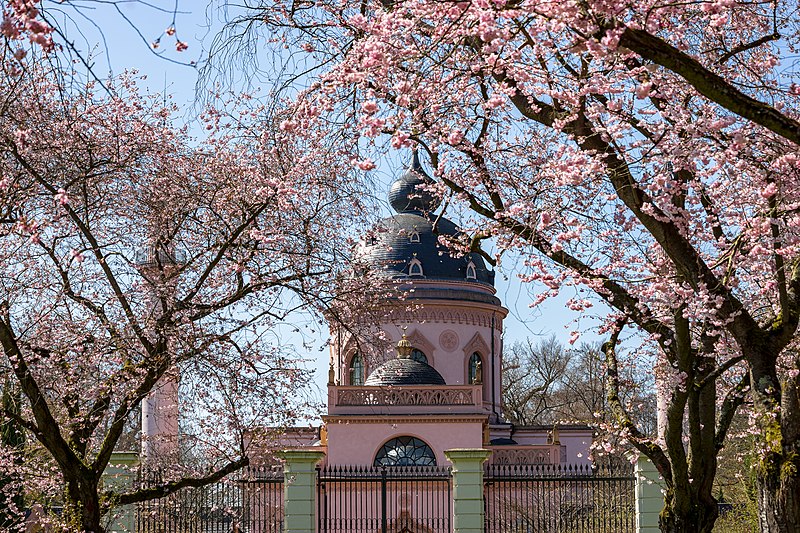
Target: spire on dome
{"type": "Point", "coordinates": [405, 196]}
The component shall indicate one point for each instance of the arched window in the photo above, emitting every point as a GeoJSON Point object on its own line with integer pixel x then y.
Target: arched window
{"type": "Point", "coordinates": [419, 355]}
{"type": "Point", "coordinates": [414, 235]}
{"type": "Point", "coordinates": [405, 451]}
{"type": "Point", "coordinates": [475, 369]}
{"type": "Point", "coordinates": [357, 370]}
{"type": "Point", "coordinates": [415, 268]}
{"type": "Point", "coordinates": [471, 272]}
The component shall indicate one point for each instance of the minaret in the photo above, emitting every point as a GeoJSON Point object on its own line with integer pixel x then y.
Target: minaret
{"type": "Point", "coordinates": [160, 413]}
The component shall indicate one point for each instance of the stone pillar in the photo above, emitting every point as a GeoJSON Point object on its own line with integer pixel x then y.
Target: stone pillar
{"type": "Point", "coordinates": [119, 476]}
{"type": "Point", "coordinates": [649, 496]}
{"type": "Point", "coordinates": [467, 488]}
{"type": "Point", "coordinates": [300, 490]}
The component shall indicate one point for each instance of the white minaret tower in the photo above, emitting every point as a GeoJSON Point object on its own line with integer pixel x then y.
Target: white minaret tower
{"type": "Point", "coordinates": [160, 414]}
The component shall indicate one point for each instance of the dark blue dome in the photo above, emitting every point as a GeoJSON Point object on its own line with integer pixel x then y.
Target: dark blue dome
{"type": "Point", "coordinates": [404, 195]}
{"type": "Point", "coordinates": [404, 372]}
{"type": "Point", "coordinates": [407, 245]}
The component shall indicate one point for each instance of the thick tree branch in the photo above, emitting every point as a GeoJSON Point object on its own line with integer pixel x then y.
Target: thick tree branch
{"type": "Point", "coordinates": [710, 84]}
{"type": "Point", "coordinates": [165, 489]}
{"type": "Point", "coordinates": [652, 450]}
{"type": "Point", "coordinates": [46, 430]}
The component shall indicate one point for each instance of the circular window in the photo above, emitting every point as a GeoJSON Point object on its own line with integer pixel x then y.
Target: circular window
{"type": "Point", "coordinates": [405, 451]}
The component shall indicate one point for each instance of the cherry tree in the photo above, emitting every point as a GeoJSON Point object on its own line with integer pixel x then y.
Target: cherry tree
{"type": "Point", "coordinates": [132, 256]}
{"type": "Point", "coordinates": [644, 153]}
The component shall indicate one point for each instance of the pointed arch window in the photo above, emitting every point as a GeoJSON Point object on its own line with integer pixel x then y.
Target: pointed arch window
{"type": "Point", "coordinates": [405, 451]}
{"type": "Point", "coordinates": [471, 272]}
{"type": "Point", "coordinates": [414, 235]}
{"type": "Point", "coordinates": [357, 369]}
{"type": "Point", "coordinates": [415, 268]}
{"type": "Point", "coordinates": [419, 355]}
{"type": "Point", "coordinates": [475, 372]}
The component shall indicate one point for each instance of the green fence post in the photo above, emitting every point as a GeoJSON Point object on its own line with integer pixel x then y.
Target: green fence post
{"type": "Point", "coordinates": [467, 488]}
{"type": "Point", "coordinates": [649, 496]}
{"type": "Point", "coordinates": [119, 476]}
{"type": "Point", "coordinates": [300, 490]}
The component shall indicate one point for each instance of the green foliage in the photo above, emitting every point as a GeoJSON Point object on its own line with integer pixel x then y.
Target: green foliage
{"type": "Point", "coordinates": [742, 519]}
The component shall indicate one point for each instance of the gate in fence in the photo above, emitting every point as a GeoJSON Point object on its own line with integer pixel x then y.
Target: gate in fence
{"type": "Point", "coordinates": [249, 501]}
{"type": "Point", "coordinates": [384, 499]}
{"type": "Point", "coordinates": [559, 499]}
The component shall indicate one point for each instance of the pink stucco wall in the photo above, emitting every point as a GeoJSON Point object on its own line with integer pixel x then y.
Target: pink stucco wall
{"type": "Point", "coordinates": [355, 442]}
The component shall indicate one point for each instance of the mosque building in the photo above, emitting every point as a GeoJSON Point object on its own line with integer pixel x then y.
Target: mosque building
{"type": "Point", "coordinates": [440, 386]}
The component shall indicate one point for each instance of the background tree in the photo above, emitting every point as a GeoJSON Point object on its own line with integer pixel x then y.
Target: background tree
{"type": "Point", "coordinates": [533, 374]}
{"type": "Point", "coordinates": [545, 383]}
{"type": "Point", "coordinates": [643, 151]}
{"type": "Point", "coordinates": [236, 231]}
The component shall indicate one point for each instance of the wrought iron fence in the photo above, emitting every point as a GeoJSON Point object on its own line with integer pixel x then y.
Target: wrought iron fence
{"type": "Point", "coordinates": [559, 499]}
{"type": "Point", "coordinates": [354, 499]}
{"type": "Point", "coordinates": [248, 501]}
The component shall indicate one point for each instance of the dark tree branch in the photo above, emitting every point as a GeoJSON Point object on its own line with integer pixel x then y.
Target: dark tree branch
{"type": "Point", "coordinates": [165, 489]}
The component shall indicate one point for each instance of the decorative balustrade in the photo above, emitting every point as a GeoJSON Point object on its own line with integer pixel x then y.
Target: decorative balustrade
{"type": "Point", "coordinates": [368, 399]}
{"type": "Point", "coordinates": [526, 455]}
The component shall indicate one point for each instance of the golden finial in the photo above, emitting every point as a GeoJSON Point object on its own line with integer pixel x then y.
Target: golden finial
{"type": "Point", "coordinates": [404, 347]}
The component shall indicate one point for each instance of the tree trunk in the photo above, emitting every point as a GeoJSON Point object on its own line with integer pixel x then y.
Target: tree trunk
{"type": "Point", "coordinates": [779, 496]}
{"type": "Point", "coordinates": [696, 517]}
{"type": "Point", "coordinates": [82, 506]}
{"type": "Point", "coordinates": [777, 404]}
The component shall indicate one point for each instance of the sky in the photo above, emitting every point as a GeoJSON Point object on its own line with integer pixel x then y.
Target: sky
{"type": "Point", "coordinates": [120, 37]}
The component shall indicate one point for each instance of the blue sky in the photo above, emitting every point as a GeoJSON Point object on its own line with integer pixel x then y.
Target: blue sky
{"type": "Point", "coordinates": [119, 37]}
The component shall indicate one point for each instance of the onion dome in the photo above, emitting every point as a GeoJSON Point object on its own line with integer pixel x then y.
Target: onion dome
{"type": "Point", "coordinates": [404, 371]}
{"type": "Point", "coordinates": [405, 196]}
{"type": "Point", "coordinates": [407, 245]}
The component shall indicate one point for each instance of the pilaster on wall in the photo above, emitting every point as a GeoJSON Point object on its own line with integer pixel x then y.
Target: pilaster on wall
{"type": "Point", "coordinates": [119, 476]}
{"type": "Point", "coordinates": [649, 496]}
{"type": "Point", "coordinates": [467, 488]}
{"type": "Point", "coordinates": [300, 489]}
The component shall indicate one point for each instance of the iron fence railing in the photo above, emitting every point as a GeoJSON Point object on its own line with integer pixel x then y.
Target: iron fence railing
{"type": "Point", "coordinates": [248, 501]}
{"type": "Point", "coordinates": [559, 499]}
{"type": "Point", "coordinates": [356, 499]}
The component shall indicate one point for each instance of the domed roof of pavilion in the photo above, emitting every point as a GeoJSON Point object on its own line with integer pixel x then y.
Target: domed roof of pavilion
{"type": "Point", "coordinates": [407, 244]}
{"type": "Point", "coordinates": [404, 370]}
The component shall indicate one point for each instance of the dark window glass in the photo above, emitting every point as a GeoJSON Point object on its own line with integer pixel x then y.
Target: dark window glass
{"type": "Point", "coordinates": [405, 451]}
{"type": "Point", "coordinates": [474, 364]}
{"type": "Point", "coordinates": [357, 370]}
{"type": "Point", "coordinates": [419, 355]}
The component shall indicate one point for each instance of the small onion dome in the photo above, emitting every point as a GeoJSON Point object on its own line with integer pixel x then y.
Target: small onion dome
{"type": "Point", "coordinates": [405, 197]}
{"type": "Point", "coordinates": [404, 371]}
{"type": "Point", "coordinates": [503, 441]}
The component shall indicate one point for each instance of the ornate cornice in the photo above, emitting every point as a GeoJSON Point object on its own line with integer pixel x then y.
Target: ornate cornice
{"type": "Point", "coordinates": [448, 313]}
